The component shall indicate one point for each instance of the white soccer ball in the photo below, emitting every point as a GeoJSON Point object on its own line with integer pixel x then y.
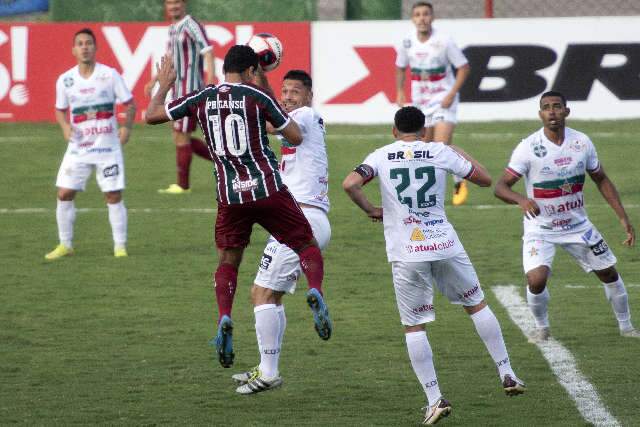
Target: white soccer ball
{"type": "Point", "coordinates": [268, 48]}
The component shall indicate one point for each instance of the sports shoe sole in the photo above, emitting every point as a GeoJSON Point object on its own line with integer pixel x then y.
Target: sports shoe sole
{"type": "Point", "coordinates": [224, 342]}
{"type": "Point", "coordinates": [512, 387]}
{"type": "Point", "coordinates": [438, 414]}
{"type": "Point", "coordinates": [321, 319]}
{"type": "Point", "coordinates": [259, 385]}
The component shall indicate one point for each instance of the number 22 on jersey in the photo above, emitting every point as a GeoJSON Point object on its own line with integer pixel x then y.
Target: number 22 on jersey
{"type": "Point", "coordinates": [420, 199]}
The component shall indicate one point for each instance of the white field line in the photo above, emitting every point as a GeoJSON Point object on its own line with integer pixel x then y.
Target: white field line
{"type": "Point", "coordinates": [354, 137]}
{"type": "Point", "coordinates": [560, 360]}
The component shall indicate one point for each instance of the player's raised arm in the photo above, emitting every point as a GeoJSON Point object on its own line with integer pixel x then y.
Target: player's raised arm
{"type": "Point", "coordinates": [156, 112]}
{"type": "Point", "coordinates": [611, 195]}
{"type": "Point", "coordinates": [352, 185]}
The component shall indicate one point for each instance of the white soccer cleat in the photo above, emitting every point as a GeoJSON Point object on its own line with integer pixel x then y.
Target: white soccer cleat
{"type": "Point", "coordinates": [257, 383]}
{"type": "Point", "coordinates": [433, 414]}
{"type": "Point", "coordinates": [540, 335]}
{"type": "Point", "coordinates": [244, 377]}
{"type": "Point", "coordinates": [513, 386]}
{"type": "Point", "coordinates": [630, 333]}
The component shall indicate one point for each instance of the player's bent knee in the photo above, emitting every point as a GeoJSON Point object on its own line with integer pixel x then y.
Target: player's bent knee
{"type": "Point", "coordinates": [66, 194]}
{"type": "Point", "coordinates": [414, 328]}
{"type": "Point", "coordinates": [607, 275]}
{"type": "Point", "coordinates": [113, 197]}
{"type": "Point", "coordinates": [473, 309]}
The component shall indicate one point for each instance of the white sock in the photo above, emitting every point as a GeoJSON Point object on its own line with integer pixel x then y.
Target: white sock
{"type": "Point", "coordinates": [268, 331]}
{"type": "Point", "coordinates": [489, 330]}
{"type": "Point", "coordinates": [118, 220]}
{"type": "Point", "coordinates": [617, 296]}
{"type": "Point", "coordinates": [457, 179]}
{"type": "Point", "coordinates": [65, 217]}
{"type": "Point", "coordinates": [538, 305]}
{"type": "Point", "coordinates": [282, 318]}
{"type": "Point", "coordinates": [421, 358]}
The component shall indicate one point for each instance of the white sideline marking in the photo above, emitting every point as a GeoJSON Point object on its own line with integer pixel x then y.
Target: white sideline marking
{"type": "Point", "coordinates": [560, 360]}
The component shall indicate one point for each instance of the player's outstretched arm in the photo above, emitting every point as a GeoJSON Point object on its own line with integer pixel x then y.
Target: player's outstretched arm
{"type": "Point", "coordinates": [166, 77]}
{"type": "Point", "coordinates": [480, 175]}
{"type": "Point", "coordinates": [504, 192]}
{"type": "Point", "coordinates": [352, 185]}
{"type": "Point", "coordinates": [611, 195]}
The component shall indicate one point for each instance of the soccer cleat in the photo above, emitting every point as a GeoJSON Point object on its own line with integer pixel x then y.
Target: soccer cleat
{"type": "Point", "coordinates": [433, 414]}
{"type": "Point", "coordinates": [174, 189]}
{"type": "Point", "coordinates": [460, 193]}
{"type": "Point", "coordinates": [60, 251]}
{"type": "Point", "coordinates": [630, 333]}
{"type": "Point", "coordinates": [244, 377]}
{"type": "Point", "coordinates": [257, 383]}
{"type": "Point", "coordinates": [321, 319]}
{"type": "Point", "coordinates": [539, 335]}
{"type": "Point", "coordinates": [513, 386]}
{"type": "Point", "coordinates": [120, 252]}
{"type": "Point", "coordinates": [224, 342]}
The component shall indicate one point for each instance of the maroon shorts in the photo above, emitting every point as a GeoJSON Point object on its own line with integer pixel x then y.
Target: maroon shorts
{"type": "Point", "coordinates": [279, 214]}
{"type": "Point", "coordinates": [186, 124]}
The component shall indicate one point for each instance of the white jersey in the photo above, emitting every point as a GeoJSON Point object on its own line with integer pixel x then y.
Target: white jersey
{"type": "Point", "coordinates": [431, 74]}
{"type": "Point", "coordinates": [92, 110]}
{"type": "Point", "coordinates": [304, 168]}
{"type": "Point", "coordinates": [554, 176]}
{"type": "Point", "coordinates": [413, 185]}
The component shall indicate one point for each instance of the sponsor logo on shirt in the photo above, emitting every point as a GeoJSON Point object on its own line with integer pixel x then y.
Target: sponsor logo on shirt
{"type": "Point", "coordinates": [87, 90]}
{"type": "Point", "coordinates": [68, 81]}
{"type": "Point", "coordinates": [410, 155]}
{"type": "Point", "coordinates": [599, 248]}
{"type": "Point", "coordinates": [432, 247]}
{"type": "Point", "coordinates": [411, 220]}
{"type": "Point", "coordinates": [423, 308]}
{"type": "Point", "coordinates": [577, 146]}
{"type": "Point", "coordinates": [248, 185]}
{"type": "Point", "coordinates": [471, 291]}
{"type": "Point", "coordinates": [562, 161]}
{"type": "Point", "coordinates": [546, 171]}
{"type": "Point", "coordinates": [561, 208]}
{"type": "Point", "coordinates": [540, 150]}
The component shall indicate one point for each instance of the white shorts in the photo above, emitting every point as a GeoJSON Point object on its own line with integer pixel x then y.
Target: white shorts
{"type": "Point", "coordinates": [440, 115]}
{"type": "Point", "coordinates": [279, 267]}
{"type": "Point", "coordinates": [587, 247]}
{"type": "Point", "coordinates": [413, 283]}
{"type": "Point", "coordinates": [73, 174]}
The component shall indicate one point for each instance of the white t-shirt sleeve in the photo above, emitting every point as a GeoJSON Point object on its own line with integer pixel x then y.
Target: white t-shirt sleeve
{"type": "Point", "coordinates": [402, 57]}
{"type": "Point", "coordinates": [122, 92]}
{"type": "Point", "coordinates": [593, 164]}
{"type": "Point", "coordinates": [303, 118]}
{"type": "Point", "coordinates": [519, 162]}
{"type": "Point", "coordinates": [455, 164]}
{"type": "Point", "coordinates": [62, 102]}
{"type": "Point", "coordinates": [455, 55]}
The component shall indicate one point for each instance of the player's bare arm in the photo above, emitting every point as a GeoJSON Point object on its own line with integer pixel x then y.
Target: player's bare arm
{"type": "Point", "coordinates": [62, 117]}
{"type": "Point", "coordinates": [166, 77]}
{"type": "Point", "coordinates": [462, 74]}
{"type": "Point", "coordinates": [352, 185]}
{"type": "Point", "coordinates": [480, 175]}
{"type": "Point", "coordinates": [504, 192]}
{"type": "Point", "coordinates": [209, 67]}
{"type": "Point", "coordinates": [291, 132]}
{"type": "Point", "coordinates": [400, 96]}
{"type": "Point", "coordinates": [611, 195]}
{"type": "Point", "coordinates": [125, 130]}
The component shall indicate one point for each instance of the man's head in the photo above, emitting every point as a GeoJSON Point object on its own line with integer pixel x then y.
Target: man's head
{"type": "Point", "coordinates": [422, 16]}
{"type": "Point", "coordinates": [409, 121]}
{"type": "Point", "coordinates": [297, 90]}
{"type": "Point", "coordinates": [241, 59]}
{"type": "Point", "coordinates": [175, 9]}
{"type": "Point", "coordinates": [84, 46]}
{"type": "Point", "coordinates": [553, 110]}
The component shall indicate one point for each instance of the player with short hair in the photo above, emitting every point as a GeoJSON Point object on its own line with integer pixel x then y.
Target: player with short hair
{"type": "Point", "coordinates": [423, 247]}
{"type": "Point", "coordinates": [432, 56]}
{"type": "Point", "coordinates": [305, 171]}
{"type": "Point", "coordinates": [192, 54]}
{"type": "Point", "coordinates": [554, 161]}
{"type": "Point", "coordinates": [250, 189]}
{"type": "Point", "coordinates": [86, 97]}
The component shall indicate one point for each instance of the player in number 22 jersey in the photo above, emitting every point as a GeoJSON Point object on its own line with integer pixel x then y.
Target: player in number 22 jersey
{"type": "Point", "coordinates": [233, 118]}
{"type": "Point", "coordinates": [424, 249]}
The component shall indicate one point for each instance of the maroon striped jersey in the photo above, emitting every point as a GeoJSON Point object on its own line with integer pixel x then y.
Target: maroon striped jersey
{"type": "Point", "coordinates": [187, 43]}
{"type": "Point", "coordinates": [233, 119]}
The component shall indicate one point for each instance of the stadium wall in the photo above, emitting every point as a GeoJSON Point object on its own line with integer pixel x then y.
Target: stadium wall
{"type": "Point", "coordinates": [595, 61]}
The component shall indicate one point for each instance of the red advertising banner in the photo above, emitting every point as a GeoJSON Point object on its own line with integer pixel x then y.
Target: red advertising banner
{"type": "Point", "coordinates": [32, 56]}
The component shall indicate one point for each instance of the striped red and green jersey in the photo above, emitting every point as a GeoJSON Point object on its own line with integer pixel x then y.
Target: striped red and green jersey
{"type": "Point", "coordinates": [233, 119]}
{"type": "Point", "coordinates": [187, 43]}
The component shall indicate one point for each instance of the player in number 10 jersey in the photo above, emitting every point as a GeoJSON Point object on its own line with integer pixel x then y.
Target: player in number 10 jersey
{"type": "Point", "coordinates": [233, 118]}
{"type": "Point", "coordinates": [424, 249]}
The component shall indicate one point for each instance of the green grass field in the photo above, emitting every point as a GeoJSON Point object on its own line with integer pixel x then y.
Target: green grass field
{"type": "Point", "coordinates": [96, 340]}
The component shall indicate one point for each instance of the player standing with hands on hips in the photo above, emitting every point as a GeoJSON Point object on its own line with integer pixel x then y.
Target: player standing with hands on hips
{"type": "Point", "coordinates": [431, 56]}
{"type": "Point", "coordinates": [234, 117]}
{"type": "Point", "coordinates": [86, 112]}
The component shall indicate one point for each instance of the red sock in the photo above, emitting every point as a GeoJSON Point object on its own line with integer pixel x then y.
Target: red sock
{"type": "Point", "coordinates": [200, 148]}
{"type": "Point", "coordinates": [225, 280]}
{"type": "Point", "coordinates": [183, 164]}
{"type": "Point", "coordinates": [312, 266]}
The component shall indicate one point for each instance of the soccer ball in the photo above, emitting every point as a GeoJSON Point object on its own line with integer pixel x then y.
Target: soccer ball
{"type": "Point", "coordinates": [268, 48]}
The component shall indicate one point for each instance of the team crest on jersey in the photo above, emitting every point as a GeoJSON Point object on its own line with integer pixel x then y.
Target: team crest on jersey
{"type": "Point", "coordinates": [539, 150]}
{"type": "Point", "coordinates": [406, 43]}
{"type": "Point", "coordinates": [546, 171]}
{"type": "Point", "coordinates": [224, 89]}
{"type": "Point", "coordinates": [417, 235]}
{"type": "Point", "coordinates": [68, 81]}
{"type": "Point", "coordinates": [577, 146]}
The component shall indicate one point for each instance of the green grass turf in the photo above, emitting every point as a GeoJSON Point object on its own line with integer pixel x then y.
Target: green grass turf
{"type": "Point", "coordinates": [97, 340]}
